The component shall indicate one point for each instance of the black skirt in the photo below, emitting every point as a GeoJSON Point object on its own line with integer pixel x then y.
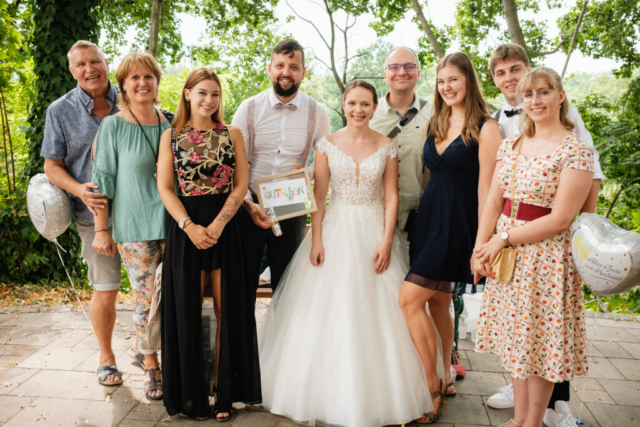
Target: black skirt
{"type": "Point", "coordinates": [183, 364]}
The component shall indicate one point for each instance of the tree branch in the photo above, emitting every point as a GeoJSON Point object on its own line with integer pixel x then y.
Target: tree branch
{"type": "Point", "coordinates": [574, 37]}
{"type": "Point", "coordinates": [357, 55]}
{"type": "Point", "coordinates": [427, 29]}
{"type": "Point", "coordinates": [315, 89]}
{"type": "Point", "coordinates": [309, 22]}
{"type": "Point", "coordinates": [615, 199]}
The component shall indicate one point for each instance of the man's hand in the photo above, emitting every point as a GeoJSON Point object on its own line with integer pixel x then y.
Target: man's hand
{"type": "Point", "coordinates": [296, 166]}
{"type": "Point", "coordinates": [257, 214]}
{"type": "Point", "coordinates": [92, 200]}
{"type": "Point", "coordinates": [104, 244]}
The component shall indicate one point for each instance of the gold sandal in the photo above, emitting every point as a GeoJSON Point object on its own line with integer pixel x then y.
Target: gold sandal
{"type": "Point", "coordinates": [512, 421]}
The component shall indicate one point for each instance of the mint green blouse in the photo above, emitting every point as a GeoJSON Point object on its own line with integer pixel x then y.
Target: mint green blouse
{"type": "Point", "coordinates": [123, 167]}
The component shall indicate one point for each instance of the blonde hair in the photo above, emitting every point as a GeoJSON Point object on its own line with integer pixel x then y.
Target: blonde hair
{"type": "Point", "coordinates": [184, 107]}
{"type": "Point", "coordinates": [85, 44]}
{"type": "Point", "coordinates": [128, 63]}
{"type": "Point", "coordinates": [508, 51]}
{"type": "Point", "coordinates": [475, 108]}
{"type": "Point", "coordinates": [529, 83]}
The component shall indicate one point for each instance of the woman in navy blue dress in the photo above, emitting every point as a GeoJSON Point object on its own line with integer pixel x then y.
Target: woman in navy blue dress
{"type": "Point", "coordinates": [460, 152]}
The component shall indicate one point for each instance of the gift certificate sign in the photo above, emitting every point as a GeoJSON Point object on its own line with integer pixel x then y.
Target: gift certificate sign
{"type": "Point", "coordinates": [289, 194]}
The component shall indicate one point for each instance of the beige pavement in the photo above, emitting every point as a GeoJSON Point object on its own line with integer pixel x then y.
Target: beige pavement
{"type": "Point", "coordinates": [48, 357]}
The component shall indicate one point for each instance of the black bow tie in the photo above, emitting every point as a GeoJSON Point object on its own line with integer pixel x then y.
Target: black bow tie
{"type": "Point", "coordinates": [514, 112]}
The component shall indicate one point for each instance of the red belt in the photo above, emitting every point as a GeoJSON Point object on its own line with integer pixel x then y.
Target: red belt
{"type": "Point", "coordinates": [525, 211]}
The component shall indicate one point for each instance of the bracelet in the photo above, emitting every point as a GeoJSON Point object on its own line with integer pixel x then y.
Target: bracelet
{"type": "Point", "coordinates": [104, 229]}
{"type": "Point", "coordinates": [188, 223]}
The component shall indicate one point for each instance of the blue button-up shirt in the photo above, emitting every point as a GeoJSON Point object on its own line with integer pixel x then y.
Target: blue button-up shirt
{"type": "Point", "coordinates": [69, 132]}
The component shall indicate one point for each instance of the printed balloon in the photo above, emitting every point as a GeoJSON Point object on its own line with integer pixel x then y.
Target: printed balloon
{"type": "Point", "coordinates": [49, 207]}
{"type": "Point", "coordinates": [607, 256]}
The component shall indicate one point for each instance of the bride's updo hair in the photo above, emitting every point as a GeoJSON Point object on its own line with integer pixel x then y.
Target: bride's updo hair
{"type": "Point", "coordinates": [361, 83]}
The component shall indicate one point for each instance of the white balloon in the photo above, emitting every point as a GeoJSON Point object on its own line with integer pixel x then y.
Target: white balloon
{"type": "Point", "coordinates": [49, 207]}
{"type": "Point", "coordinates": [607, 256]}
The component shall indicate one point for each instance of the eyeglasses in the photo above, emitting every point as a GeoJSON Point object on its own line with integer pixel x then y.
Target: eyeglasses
{"type": "Point", "coordinates": [541, 94]}
{"type": "Point", "coordinates": [407, 67]}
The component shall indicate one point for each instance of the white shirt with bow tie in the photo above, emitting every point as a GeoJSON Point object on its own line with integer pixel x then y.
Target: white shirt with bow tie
{"type": "Point", "coordinates": [280, 133]}
{"type": "Point", "coordinates": [510, 126]}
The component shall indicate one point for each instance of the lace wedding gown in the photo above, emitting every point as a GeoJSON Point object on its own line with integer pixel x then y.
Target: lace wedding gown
{"type": "Point", "coordinates": [335, 348]}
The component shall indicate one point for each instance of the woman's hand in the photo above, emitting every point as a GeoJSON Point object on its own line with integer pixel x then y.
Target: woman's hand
{"type": "Point", "coordinates": [479, 269]}
{"type": "Point", "coordinates": [317, 254]}
{"type": "Point", "coordinates": [200, 236]}
{"type": "Point", "coordinates": [104, 244]}
{"type": "Point", "coordinates": [487, 253]}
{"type": "Point", "coordinates": [382, 257]}
{"type": "Point", "coordinates": [215, 229]}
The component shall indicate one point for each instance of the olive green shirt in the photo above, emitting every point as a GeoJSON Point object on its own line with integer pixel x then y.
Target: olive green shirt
{"type": "Point", "coordinates": [410, 143]}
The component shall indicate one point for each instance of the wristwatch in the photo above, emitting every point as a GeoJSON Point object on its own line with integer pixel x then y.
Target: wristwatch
{"type": "Point", "coordinates": [505, 237]}
{"type": "Point", "coordinates": [182, 222]}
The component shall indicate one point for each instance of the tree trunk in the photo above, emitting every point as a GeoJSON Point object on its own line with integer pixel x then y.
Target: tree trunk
{"type": "Point", "coordinates": [154, 27]}
{"type": "Point", "coordinates": [427, 29]}
{"type": "Point", "coordinates": [513, 22]}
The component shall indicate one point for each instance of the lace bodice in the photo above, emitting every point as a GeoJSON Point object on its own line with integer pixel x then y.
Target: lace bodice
{"type": "Point", "coordinates": [356, 184]}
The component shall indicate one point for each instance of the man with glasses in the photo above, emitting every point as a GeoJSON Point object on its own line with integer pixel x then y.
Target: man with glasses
{"type": "Point", "coordinates": [508, 64]}
{"type": "Point", "coordinates": [403, 116]}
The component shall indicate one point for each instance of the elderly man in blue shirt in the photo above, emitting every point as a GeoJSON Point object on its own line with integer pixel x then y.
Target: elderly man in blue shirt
{"type": "Point", "coordinates": [71, 125]}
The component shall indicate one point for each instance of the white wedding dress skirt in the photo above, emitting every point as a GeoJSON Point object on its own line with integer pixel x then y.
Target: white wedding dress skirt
{"type": "Point", "coordinates": [335, 347]}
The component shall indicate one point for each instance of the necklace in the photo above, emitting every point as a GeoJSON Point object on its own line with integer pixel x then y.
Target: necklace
{"type": "Point", "coordinates": [542, 143]}
{"type": "Point", "coordinates": [155, 155]}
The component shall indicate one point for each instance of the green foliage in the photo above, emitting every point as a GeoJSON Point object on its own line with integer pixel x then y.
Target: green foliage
{"type": "Point", "coordinates": [615, 128]}
{"type": "Point", "coordinates": [27, 257]}
{"type": "Point", "coordinates": [611, 29]}
{"type": "Point", "coordinates": [117, 16]}
{"type": "Point", "coordinates": [57, 25]}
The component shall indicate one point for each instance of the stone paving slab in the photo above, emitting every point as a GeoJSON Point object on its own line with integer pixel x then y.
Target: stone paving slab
{"type": "Point", "coordinates": [48, 361]}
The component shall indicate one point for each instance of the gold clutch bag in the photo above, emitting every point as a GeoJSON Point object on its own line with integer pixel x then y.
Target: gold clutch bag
{"type": "Point", "coordinates": [504, 264]}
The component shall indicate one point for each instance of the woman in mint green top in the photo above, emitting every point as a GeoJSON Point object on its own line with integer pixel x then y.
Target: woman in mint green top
{"type": "Point", "coordinates": [124, 161]}
{"type": "Point", "coordinates": [124, 167]}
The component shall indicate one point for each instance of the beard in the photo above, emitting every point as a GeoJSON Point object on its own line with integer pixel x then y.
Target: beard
{"type": "Point", "coordinates": [285, 92]}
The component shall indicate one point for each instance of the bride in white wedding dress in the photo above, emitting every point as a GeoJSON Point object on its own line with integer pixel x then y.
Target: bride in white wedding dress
{"type": "Point", "coordinates": [335, 348]}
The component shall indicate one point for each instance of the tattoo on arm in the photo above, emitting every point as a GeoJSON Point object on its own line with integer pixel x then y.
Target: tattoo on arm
{"type": "Point", "coordinates": [225, 216]}
{"type": "Point", "coordinates": [232, 202]}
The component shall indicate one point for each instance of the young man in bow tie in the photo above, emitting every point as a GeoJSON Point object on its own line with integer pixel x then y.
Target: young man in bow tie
{"type": "Point", "coordinates": [509, 63]}
{"type": "Point", "coordinates": [281, 127]}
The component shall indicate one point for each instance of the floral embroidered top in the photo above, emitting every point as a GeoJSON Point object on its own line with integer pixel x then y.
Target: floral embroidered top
{"type": "Point", "coordinates": [204, 160]}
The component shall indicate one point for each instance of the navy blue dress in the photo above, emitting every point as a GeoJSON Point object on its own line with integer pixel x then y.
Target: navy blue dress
{"type": "Point", "coordinates": [447, 220]}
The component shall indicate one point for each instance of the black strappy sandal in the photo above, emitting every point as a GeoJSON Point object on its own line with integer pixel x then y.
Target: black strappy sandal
{"type": "Point", "coordinates": [432, 417]}
{"type": "Point", "coordinates": [217, 411]}
{"type": "Point", "coordinates": [153, 385]}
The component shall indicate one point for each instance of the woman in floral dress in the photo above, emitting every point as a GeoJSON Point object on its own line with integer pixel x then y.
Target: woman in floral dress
{"type": "Point", "coordinates": [535, 322]}
{"type": "Point", "coordinates": [208, 162]}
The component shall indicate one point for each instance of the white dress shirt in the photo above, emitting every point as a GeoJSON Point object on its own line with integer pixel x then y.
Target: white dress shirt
{"type": "Point", "coordinates": [280, 135]}
{"type": "Point", "coordinates": [510, 126]}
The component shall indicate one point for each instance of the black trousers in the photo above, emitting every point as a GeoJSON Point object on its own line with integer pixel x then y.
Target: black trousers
{"type": "Point", "coordinates": [280, 250]}
{"type": "Point", "coordinates": [561, 391]}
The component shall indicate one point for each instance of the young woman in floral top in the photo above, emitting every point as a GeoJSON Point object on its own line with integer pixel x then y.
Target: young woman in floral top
{"type": "Point", "coordinates": [535, 322]}
{"type": "Point", "coordinates": [205, 161]}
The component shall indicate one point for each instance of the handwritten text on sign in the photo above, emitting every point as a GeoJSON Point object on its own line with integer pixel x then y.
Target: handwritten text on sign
{"type": "Point", "coordinates": [281, 193]}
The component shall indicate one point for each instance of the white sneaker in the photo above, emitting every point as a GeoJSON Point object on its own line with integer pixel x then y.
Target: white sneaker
{"type": "Point", "coordinates": [266, 275]}
{"type": "Point", "coordinates": [561, 417]}
{"type": "Point", "coordinates": [503, 399]}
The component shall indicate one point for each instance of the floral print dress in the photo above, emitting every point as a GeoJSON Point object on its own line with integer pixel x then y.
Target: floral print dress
{"type": "Point", "coordinates": [536, 322]}
{"type": "Point", "coordinates": [204, 161]}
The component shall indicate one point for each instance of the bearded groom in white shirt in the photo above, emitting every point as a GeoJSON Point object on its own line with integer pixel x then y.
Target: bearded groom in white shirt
{"type": "Point", "coordinates": [281, 126]}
